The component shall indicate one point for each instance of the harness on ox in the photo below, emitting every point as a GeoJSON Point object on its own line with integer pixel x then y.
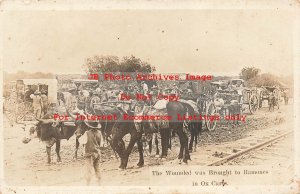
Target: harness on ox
{"type": "Point", "coordinates": [100, 107]}
{"type": "Point", "coordinates": [189, 104]}
{"type": "Point", "coordinates": [152, 125]}
{"type": "Point", "coordinates": [160, 108]}
{"type": "Point", "coordinates": [192, 103]}
{"type": "Point", "coordinates": [158, 124]}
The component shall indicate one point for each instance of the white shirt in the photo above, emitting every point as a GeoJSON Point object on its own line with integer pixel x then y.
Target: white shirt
{"type": "Point", "coordinates": [145, 88]}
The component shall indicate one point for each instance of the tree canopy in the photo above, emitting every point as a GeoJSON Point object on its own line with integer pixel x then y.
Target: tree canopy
{"type": "Point", "coordinates": [253, 78]}
{"type": "Point", "coordinates": [265, 79]}
{"type": "Point", "coordinates": [249, 73]}
{"type": "Point", "coordinates": [101, 64]}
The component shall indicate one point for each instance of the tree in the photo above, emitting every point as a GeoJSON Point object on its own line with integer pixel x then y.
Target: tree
{"type": "Point", "coordinates": [133, 64]}
{"type": "Point", "coordinates": [101, 64]}
{"type": "Point", "coordinates": [249, 73]}
{"type": "Point", "coordinates": [265, 79]}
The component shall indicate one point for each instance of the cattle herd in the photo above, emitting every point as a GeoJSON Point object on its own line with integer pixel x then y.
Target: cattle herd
{"type": "Point", "coordinates": [61, 121]}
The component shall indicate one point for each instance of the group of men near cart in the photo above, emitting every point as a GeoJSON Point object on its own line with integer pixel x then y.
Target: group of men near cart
{"type": "Point", "coordinates": [39, 101]}
{"type": "Point", "coordinates": [79, 99]}
{"type": "Point", "coordinates": [85, 100]}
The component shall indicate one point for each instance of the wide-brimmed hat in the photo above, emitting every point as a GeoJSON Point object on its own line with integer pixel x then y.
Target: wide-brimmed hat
{"type": "Point", "coordinates": [98, 90]}
{"type": "Point", "coordinates": [72, 90]}
{"type": "Point", "coordinates": [37, 92]}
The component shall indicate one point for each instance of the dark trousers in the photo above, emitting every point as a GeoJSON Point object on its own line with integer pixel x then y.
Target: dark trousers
{"type": "Point", "coordinates": [92, 164]}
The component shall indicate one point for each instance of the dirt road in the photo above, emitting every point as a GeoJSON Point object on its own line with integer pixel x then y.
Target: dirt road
{"type": "Point", "coordinates": [25, 164]}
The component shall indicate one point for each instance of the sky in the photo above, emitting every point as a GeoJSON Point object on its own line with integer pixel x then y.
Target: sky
{"type": "Point", "coordinates": [211, 41]}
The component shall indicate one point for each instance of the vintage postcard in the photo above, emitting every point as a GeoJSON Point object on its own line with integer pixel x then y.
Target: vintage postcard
{"type": "Point", "coordinates": [149, 96]}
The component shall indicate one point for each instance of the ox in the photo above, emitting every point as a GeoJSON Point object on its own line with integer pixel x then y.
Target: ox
{"type": "Point", "coordinates": [52, 132]}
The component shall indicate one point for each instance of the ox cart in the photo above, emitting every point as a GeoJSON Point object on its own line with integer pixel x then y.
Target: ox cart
{"type": "Point", "coordinates": [285, 93]}
{"type": "Point", "coordinates": [250, 97]}
{"type": "Point", "coordinates": [27, 87]}
{"type": "Point", "coordinates": [9, 95]}
{"type": "Point", "coordinates": [272, 95]}
{"type": "Point", "coordinates": [223, 102]}
{"type": "Point", "coordinates": [229, 97]}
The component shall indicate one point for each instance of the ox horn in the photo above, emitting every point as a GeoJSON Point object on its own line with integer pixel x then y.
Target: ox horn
{"type": "Point", "coordinates": [70, 114]}
{"type": "Point", "coordinates": [46, 121]}
{"type": "Point", "coordinates": [87, 124]}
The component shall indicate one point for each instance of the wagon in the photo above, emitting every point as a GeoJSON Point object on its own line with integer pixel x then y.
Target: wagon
{"type": "Point", "coordinates": [250, 97]}
{"type": "Point", "coordinates": [209, 103]}
{"type": "Point", "coordinates": [9, 88]}
{"type": "Point", "coordinates": [226, 102]}
{"type": "Point", "coordinates": [9, 94]}
{"type": "Point", "coordinates": [285, 93]}
{"type": "Point", "coordinates": [87, 84]}
{"type": "Point", "coordinates": [26, 87]}
{"type": "Point", "coordinates": [227, 92]}
{"type": "Point", "coordinates": [270, 92]}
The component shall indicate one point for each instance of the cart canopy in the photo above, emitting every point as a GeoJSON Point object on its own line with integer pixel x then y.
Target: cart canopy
{"type": "Point", "coordinates": [51, 83]}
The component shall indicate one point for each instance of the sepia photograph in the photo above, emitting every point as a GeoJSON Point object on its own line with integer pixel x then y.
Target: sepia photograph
{"type": "Point", "coordinates": [150, 97]}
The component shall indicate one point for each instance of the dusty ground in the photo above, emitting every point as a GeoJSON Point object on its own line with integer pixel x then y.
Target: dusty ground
{"type": "Point", "coordinates": [25, 164]}
{"type": "Point", "coordinates": [276, 155]}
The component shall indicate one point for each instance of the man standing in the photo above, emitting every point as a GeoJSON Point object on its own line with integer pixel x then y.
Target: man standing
{"type": "Point", "coordinates": [81, 101]}
{"type": "Point", "coordinates": [71, 102]}
{"type": "Point", "coordinates": [44, 102]}
{"type": "Point", "coordinates": [94, 100]}
{"type": "Point", "coordinates": [176, 90]}
{"type": "Point", "coordinates": [92, 140]}
{"type": "Point", "coordinates": [110, 93]}
{"type": "Point", "coordinates": [37, 104]}
{"type": "Point", "coordinates": [145, 88]}
{"type": "Point", "coordinates": [28, 99]}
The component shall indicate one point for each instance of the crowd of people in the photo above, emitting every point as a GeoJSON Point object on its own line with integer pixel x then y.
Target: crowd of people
{"type": "Point", "coordinates": [80, 99]}
{"type": "Point", "coordinates": [36, 99]}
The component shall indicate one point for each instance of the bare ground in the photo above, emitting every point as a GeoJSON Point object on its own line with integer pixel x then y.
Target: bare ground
{"type": "Point", "coordinates": [25, 164]}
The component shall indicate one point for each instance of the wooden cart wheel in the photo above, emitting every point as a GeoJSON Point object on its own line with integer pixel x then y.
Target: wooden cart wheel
{"type": "Point", "coordinates": [20, 111]}
{"type": "Point", "coordinates": [253, 104]}
{"type": "Point", "coordinates": [138, 108]}
{"type": "Point", "coordinates": [211, 110]}
{"type": "Point", "coordinates": [260, 99]}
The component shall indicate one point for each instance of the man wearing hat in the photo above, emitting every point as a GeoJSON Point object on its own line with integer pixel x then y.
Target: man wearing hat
{"type": "Point", "coordinates": [37, 104]}
{"type": "Point", "coordinates": [145, 88]}
{"type": "Point", "coordinates": [103, 96]}
{"type": "Point", "coordinates": [176, 89]}
{"type": "Point", "coordinates": [94, 99]}
{"type": "Point", "coordinates": [190, 91]}
{"type": "Point", "coordinates": [44, 102]}
{"type": "Point", "coordinates": [81, 100]}
{"type": "Point", "coordinates": [71, 102]}
{"type": "Point", "coordinates": [110, 93]}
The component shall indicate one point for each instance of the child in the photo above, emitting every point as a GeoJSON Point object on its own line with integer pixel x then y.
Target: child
{"type": "Point", "coordinates": [92, 139]}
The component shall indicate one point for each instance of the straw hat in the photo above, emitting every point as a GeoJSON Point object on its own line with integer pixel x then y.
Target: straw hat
{"type": "Point", "coordinates": [37, 92]}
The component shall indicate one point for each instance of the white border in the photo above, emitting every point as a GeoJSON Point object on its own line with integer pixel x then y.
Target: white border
{"type": "Point", "coordinates": [71, 5]}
